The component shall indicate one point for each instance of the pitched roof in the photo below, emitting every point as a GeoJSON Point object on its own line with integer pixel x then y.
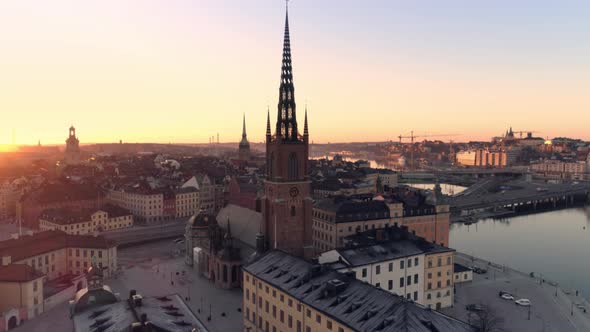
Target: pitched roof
{"type": "Point", "coordinates": [18, 273]}
{"type": "Point", "coordinates": [355, 304]}
{"type": "Point", "coordinates": [47, 241]}
{"type": "Point", "coordinates": [66, 216]}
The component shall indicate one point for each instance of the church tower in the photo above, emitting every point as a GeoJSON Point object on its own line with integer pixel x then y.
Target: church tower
{"type": "Point", "coordinates": [287, 204]}
{"type": "Point", "coordinates": [72, 155]}
{"type": "Point", "coordinates": [244, 147]}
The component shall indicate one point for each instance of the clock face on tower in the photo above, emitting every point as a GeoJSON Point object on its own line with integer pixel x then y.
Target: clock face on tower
{"type": "Point", "coordinates": [294, 192]}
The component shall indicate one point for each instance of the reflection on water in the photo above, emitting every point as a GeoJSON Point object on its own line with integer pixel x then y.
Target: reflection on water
{"type": "Point", "coordinates": [554, 243]}
{"type": "Point", "coordinates": [447, 189]}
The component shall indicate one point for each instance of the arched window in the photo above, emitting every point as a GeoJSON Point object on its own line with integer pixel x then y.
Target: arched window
{"type": "Point", "coordinates": [293, 167]}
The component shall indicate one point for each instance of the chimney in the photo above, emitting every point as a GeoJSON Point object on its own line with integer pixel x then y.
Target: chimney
{"type": "Point", "coordinates": [379, 234]}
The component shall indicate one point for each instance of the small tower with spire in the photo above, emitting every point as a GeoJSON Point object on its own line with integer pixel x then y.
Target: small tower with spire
{"type": "Point", "coordinates": [244, 147]}
{"type": "Point", "coordinates": [72, 155]}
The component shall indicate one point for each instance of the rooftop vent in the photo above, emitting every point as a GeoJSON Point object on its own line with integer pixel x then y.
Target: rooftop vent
{"type": "Point", "coordinates": [340, 299]}
{"type": "Point", "coordinates": [163, 299]}
{"type": "Point", "coordinates": [430, 326]}
{"type": "Point", "coordinates": [368, 315]}
{"type": "Point", "coordinates": [385, 323]}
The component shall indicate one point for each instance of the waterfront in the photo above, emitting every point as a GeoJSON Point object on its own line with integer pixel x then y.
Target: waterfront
{"type": "Point", "coordinates": [553, 244]}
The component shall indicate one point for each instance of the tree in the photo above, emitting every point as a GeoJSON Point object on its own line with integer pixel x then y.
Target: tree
{"type": "Point", "coordinates": [488, 320]}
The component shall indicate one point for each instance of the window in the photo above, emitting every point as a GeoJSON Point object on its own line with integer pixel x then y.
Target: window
{"type": "Point", "coordinates": [449, 260]}
{"type": "Point", "coordinates": [409, 296]}
{"type": "Point", "coordinates": [378, 269]}
{"type": "Point", "coordinates": [378, 285]}
{"type": "Point", "coordinates": [293, 167]}
{"type": "Point", "coordinates": [416, 278]}
{"type": "Point", "coordinates": [428, 296]}
{"type": "Point", "coordinates": [429, 285]}
{"type": "Point", "coordinates": [282, 316]}
{"type": "Point", "coordinates": [308, 313]}
{"type": "Point", "coordinates": [329, 324]}
{"type": "Point", "coordinates": [401, 282]}
{"type": "Point", "coordinates": [274, 311]}
{"type": "Point", "coordinates": [390, 267]}
{"type": "Point", "coordinates": [409, 282]}
{"type": "Point", "coordinates": [409, 262]}
{"type": "Point", "coordinates": [364, 273]}
{"type": "Point", "coordinates": [416, 261]}
{"type": "Point", "coordinates": [415, 296]}
{"type": "Point", "coordinates": [293, 212]}
{"type": "Point", "coordinates": [290, 321]}
{"type": "Point", "coordinates": [390, 284]}
{"type": "Point", "coordinates": [401, 264]}
{"type": "Point", "coordinates": [318, 319]}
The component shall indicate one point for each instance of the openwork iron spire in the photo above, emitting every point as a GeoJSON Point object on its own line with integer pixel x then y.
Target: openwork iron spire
{"type": "Point", "coordinates": [244, 127]}
{"type": "Point", "coordinates": [268, 121]}
{"type": "Point", "coordinates": [286, 128]}
{"type": "Point", "coordinates": [305, 129]}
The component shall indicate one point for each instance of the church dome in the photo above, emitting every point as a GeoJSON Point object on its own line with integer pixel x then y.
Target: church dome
{"type": "Point", "coordinates": [202, 219]}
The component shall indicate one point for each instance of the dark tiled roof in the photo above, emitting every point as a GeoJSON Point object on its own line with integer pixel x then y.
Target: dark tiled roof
{"type": "Point", "coordinates": [44, 242]}
{"type": "Point", "coordinates": [355, 304]}
{"type": "Point", "coordinates": [18, 273]}
{"type": "Point", "coordinates": [56, 192]}
{"type": "Point", "coordinates": [353, 210]}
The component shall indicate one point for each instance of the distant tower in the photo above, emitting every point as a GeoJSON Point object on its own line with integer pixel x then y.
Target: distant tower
{"type": "Point", "coordinates": [244, 147]}
{"type": "Point", "coordinates": [72, 155]}
{"type": "Point", "coordinates": [287, 203]}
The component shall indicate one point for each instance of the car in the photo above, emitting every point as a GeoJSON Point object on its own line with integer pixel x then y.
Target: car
{"type": "Point", "coordinates": [478, 270]}
{"type": "Point", "coordinates": [523, 302]}
{"type": "Point", "coordinates": [507, 296]}
{"type": "Point", "coordinates": [475, 307]}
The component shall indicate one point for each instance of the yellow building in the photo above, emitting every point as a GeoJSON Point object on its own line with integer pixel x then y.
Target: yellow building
{"type": "Point", "coordinates": [81, 222]}
{"type": "Point", "coordinates": [286, 293]}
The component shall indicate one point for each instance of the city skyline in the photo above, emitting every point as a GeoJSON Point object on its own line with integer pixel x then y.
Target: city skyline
{"type": "Point", "coordinates": [474, 71]}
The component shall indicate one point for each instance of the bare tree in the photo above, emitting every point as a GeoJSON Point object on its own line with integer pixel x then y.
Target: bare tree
{"type": "Point", "coordinates": [487, 320]}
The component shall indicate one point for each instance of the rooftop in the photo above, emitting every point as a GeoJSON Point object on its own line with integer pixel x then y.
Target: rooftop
{"type": "Point", "coordinates": [18, 273]}
{"type": "Point", "coordinates": [352, 303]}
{"type": "Point", "coordinates": [47, 241]}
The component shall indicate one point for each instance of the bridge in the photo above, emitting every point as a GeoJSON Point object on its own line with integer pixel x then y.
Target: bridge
{"type": "Point", "coordinates": [518, 195]}
{"type": "Point", "coordinates": [142, 234]}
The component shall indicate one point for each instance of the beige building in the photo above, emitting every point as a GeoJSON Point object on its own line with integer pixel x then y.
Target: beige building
{"type": "Point", "coordinates": [286, 293]}
{"type": "Point", "coordinates": [494, 158]}
{"type": "Point", "coordinates": [147, 206]}
{"type": "Point", "coordinates": [108, 217]}
{"type": "Point", "coordinates": [187, 202]}
{"type": "Point", "coordinates": [462, 274]}
{"type": "Point", "coordinates": [561, 169]}
{"type": "Point", "coordinates": [55, 253]}
{"type": "Point", "coordinates": [21, 288]}
{"type": "Point", "coordinates": [438, 284]}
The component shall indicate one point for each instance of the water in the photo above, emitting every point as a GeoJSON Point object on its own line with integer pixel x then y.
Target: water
{"type": "Point", "coordinates": [554, 243]}
{"type": "Point", "coordinates": [447, 189]}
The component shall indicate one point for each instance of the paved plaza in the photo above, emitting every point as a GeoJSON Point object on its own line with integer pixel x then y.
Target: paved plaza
{"type": "Point", "coordinates": [549, 312]}
{"type": "Point", "coordinates": [156, 269]}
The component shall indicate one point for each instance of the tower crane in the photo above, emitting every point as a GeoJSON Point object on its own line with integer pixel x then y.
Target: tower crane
{"type": "Point", "coordinates": [412, 137]}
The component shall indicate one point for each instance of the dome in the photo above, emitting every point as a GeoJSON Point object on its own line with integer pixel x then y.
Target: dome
{"type": "Point", "coordinates": [202, 219]}
{"type": "Point", "coordinates": [86, 298]}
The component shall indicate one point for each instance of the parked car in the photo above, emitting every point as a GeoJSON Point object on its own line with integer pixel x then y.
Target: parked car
{"type": "Point", "coordinates": [523, 302]}
{"type": "Point", "coordinates": [507, 296]}
{"type": "Point", "coordinates": [475, 307]}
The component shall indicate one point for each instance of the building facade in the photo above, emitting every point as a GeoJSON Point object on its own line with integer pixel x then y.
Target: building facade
{"type": "Point", "coordinates": [81, 222]}
{"type": "Point", "coordinates": [56, 253]}
{"type": "Point", "coordinates": [287, 202]}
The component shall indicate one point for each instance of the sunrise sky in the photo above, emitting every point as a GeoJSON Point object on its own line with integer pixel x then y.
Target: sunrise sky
{"type": "Point", "coordinates": [183, 70]}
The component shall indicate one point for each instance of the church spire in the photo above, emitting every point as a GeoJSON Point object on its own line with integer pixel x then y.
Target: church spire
{"type": "Point", "coordinates": [286, 128]}
{"type": "Point", "coordinates": [268, 121]}
{"type": "Point", "coordinates": [244, 127]}
{"type": "Point", "coordinates": [305, 129]}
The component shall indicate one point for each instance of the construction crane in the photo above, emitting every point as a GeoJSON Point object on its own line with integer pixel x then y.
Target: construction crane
{"type": "Point", "coordinates": [412, 137]}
